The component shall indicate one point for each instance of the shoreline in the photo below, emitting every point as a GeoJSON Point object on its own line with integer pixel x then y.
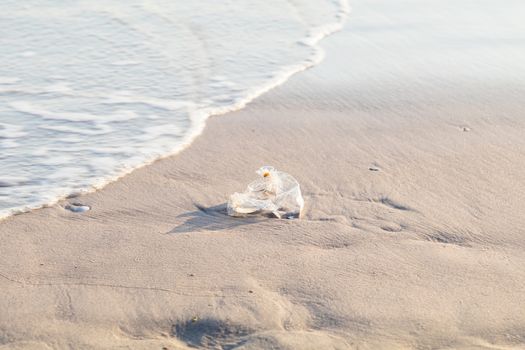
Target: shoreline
{"type": "Point", "coordinates": [412, 233]}
{"type": "Point", "coordinates": [199, 118]}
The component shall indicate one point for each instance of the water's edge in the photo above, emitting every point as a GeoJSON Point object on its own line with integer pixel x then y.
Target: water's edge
{"type": "Point", "coordinates": [199, 117]}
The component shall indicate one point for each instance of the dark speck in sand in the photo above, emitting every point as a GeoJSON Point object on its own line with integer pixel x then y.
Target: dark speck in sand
{"type": "Point", "coordinates": [77, 207]}
{"type": "Point", "coordinates": [211, 333]}
{"type": "Point", "coordinates": [373, 168]}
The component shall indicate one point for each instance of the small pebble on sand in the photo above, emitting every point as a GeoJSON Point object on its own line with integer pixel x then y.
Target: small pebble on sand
{"type": "Point", "coordinates": [77, 207]}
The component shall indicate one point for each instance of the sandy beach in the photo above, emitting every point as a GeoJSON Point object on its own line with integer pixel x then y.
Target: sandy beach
{"type": "Point", "coordinates": [411, 165]}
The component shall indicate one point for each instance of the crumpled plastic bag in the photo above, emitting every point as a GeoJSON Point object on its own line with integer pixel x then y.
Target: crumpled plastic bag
{"type": "Point", "coordinates": [274, 192]}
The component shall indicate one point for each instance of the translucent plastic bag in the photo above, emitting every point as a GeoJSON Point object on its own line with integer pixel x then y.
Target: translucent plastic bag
{"type": "Point", "coordinates": [274, 192]}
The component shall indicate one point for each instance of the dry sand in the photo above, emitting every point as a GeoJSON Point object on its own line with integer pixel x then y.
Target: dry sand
{"type": "Point", "coordinates": [412, 235]}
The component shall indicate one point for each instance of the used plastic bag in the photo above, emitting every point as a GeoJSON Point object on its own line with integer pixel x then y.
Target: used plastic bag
{"type": "Point", "coordinates": [274, 192]}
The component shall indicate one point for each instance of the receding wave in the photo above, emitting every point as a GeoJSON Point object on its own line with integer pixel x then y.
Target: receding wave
{"type": "Point", "coordinates": [90, 91]}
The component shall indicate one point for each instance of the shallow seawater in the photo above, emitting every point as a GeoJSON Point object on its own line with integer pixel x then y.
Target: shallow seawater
{"type": "Point", "coordinates": [92, 90]}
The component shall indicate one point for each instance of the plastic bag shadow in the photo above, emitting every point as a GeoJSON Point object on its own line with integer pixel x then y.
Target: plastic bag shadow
{"type": "Point", "coordinates": [213, 218]}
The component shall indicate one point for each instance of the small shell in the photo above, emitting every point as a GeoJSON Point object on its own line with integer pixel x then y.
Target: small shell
{"type": "Point", "coordinates": [77, 207]}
